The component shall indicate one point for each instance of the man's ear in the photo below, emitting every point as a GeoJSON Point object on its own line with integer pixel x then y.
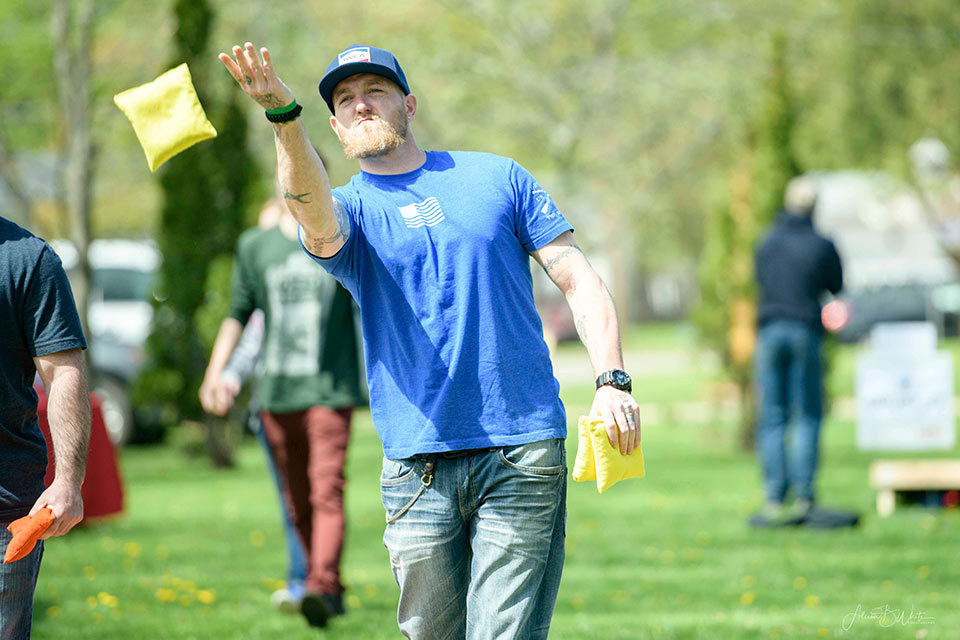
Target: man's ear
{"type": "Point", "coordinates": [410, 101]}
{"type": "Point", "coordinates": [333, 125]}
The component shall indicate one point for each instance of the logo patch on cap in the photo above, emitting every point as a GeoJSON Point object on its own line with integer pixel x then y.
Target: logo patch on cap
{"type": "Point", "coordinates": [359, 54]}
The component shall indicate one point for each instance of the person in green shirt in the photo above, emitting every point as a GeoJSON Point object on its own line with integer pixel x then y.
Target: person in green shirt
{"type": "Point", "coordinates": [309, 382]}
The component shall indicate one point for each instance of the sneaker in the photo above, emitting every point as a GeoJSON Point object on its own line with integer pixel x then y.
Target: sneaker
{"type": "Point", "coordinates": [319, 607]}
{"type": "Point", "coordinates": [287, 599]}
{"type": "Point", "coordinates": [774, 515]}
{"type": "Point", "coordinates": [820, 518]}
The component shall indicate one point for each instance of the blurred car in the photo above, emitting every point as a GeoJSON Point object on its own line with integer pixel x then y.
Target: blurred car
{"type": "Point", "coordinates": [120, 314]}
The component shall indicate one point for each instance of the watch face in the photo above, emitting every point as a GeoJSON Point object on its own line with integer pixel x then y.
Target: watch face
{"type": "Point", "coordinates": [621, 378]}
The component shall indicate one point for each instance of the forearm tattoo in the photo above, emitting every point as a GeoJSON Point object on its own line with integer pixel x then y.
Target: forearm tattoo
{"type": "Point", "coordinates": [342, 231]}
{"type": "Point", "coordinates": [299, 197]}
{"type": "Point", "coordinates": [552, 263]}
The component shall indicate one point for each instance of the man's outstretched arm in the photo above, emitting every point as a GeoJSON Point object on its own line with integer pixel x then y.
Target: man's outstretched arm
{"type": "Point", "coordinates": [596, 321]}
{"type": "Point", "coordinates": [68, 412]}
{"type": "Point", "coordinates": [303, 180]}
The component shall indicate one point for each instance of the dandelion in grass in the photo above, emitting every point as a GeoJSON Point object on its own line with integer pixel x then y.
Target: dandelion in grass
{"type": "Point", "coordinates": [747, 598]}
{"type": "Point", "coordinates": [703, 538]}
{"type": "Point", "coordinates": [799, 583]}
{"type": "Point", "coordinates": [206, 596]}
{"type": "Point", "coordinates": [578, 603]}
{"type": "Point", "coordinates": [923, 572]}
{"type": "Point", "coordinates": [620, 596]}
{"type": "Point", "coordinates": [353, 601]}
{"type": "Point", "coordinates": [258, 538]}
{"type": "Point", "coordinates": [823, 632]}
{"type": "Point", "coordinates": [107, 600]}
{"type": "Point", "coordinates": [166, 595]}
{"type": "Point", "coordinates": [886, 585]}
{"type": "Point", "coordinates": [133, 549]}
{"type": "Point", "coordinates": [89, 572]}
{"type": "Point", "coordinates": [774, 633]}
{"type": "Point", "coordinates": [667, 556]}
{"type": "Point", "coordinates": [811, 601]}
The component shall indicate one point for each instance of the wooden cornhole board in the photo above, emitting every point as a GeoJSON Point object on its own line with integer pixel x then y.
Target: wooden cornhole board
{"type": "Point", "coordinates": [890, 476]}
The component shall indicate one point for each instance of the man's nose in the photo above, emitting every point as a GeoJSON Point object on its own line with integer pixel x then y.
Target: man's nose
{"type": "Point", "coordinates": [361, 106]}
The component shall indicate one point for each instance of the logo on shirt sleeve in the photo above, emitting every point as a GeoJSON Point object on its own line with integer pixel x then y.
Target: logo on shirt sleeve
{"type": "Point", "coordinates": [544, 203]}
{"type": "Point", "coordinates": [422, 214]}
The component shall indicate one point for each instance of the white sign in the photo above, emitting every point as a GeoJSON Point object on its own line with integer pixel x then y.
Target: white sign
{"type": "Point", "coordinates": [904, 392]}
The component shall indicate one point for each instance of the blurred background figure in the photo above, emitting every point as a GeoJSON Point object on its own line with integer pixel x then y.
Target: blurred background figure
{"type": "Point", "coordinates": [795, 266]}
{"type": "Point", "coordinates": [308, 383]}
{"type": "Point", "coordinates": [242, 365]}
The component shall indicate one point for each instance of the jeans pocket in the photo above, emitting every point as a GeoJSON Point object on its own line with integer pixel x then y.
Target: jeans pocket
{"type": "Point", "coordinates": [396, 472]}
{"type": "Point", "coordinates": [542, 458]}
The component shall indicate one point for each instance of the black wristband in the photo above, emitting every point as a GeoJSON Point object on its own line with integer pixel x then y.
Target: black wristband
{"type": "Point", "coordinates": [286, 116]}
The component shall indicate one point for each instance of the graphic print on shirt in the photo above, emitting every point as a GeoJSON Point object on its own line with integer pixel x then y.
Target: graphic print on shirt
{"type": "Point", "coordinates": [422, 214]}
{"type": "Point", "coordinates": [545, 203]}
{"type": "Point", "coordinates": [295, 289]}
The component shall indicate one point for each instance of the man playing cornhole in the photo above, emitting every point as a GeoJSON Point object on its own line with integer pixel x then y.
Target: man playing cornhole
{"type": "Point", "coordinates": [435, 248]}
{"type": "Point", "coordinates": [39, 332]}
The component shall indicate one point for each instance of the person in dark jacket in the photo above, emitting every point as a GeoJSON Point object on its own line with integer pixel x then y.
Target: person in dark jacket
{"type": "Point", "coordinates": [795, 267]}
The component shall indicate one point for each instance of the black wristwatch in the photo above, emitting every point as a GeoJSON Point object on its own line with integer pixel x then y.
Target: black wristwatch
{"type": "Point", "coordinates": [616, 378]}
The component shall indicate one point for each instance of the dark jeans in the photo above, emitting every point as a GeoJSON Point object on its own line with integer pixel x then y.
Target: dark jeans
{"type": "Point", "coordinates": [788, 374]}
{"type": "Point", "coordinates": [309, 448]}
{"type": "Point", "coordinates": [17, 583]}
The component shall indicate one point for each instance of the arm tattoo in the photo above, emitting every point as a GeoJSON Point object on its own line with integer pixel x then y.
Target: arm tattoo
{"type": "Point", "coordinates": [580, 322]}
{"type": "Point", "coordinates": [560, 257]}
{"type": "Point", "coordinates": [301, 197]}
{"type": "Point", "coordinates": [269, 101]}
{"type": "Point", "coordinates": [342, 230]}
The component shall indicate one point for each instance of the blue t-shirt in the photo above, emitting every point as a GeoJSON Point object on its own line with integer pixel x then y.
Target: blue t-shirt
{"type": "Point", "coordinates": [37, 317]}
{"type": "Point", "coordinates": [438, 261]}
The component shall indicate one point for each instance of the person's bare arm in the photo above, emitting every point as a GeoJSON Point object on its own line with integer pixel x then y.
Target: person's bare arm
{"type": "Point", "coordinates": [68, 413]}
{"type": "Point", "coordinates": [303, 180]}
{"type": "Point", "coordinates": [216, 394]}
{"type": "Point", "coordinates": [596, 321]}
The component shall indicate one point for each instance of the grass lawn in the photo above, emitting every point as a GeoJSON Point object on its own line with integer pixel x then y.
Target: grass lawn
{"type": "Point", "coordinates": [199, 551]}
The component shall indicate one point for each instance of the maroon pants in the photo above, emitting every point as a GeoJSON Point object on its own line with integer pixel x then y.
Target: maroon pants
{"type": "Point", "coordinates": [309, 448]}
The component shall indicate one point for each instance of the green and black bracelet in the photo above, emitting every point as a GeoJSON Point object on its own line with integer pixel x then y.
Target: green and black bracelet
{"type": "Point", "coordinates": [285, 114]}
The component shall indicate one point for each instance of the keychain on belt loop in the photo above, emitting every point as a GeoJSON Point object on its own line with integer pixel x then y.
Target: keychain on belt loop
{"type": "Point", "coordinates": [426, 478]}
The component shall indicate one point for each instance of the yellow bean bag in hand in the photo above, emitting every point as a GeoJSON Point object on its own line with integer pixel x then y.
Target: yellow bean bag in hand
{"type": "Point", "coordinates": [166, 115]}
{"type": "Point", "coordinates": [597, 460]}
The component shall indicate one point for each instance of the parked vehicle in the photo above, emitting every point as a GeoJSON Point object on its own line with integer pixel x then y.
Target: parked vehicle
{"type": "Point", "coordinates": [119, 315]}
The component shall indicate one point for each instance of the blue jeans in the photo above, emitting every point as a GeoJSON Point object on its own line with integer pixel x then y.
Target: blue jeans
{"type": "Point", "coordinates": [296, 556]}
{"type": "Point", "coordinates": [789, 384]}
{"type": "Point", "coordinates": [476, 540]}
{"type": "Point", "coordinates": [17, 582]}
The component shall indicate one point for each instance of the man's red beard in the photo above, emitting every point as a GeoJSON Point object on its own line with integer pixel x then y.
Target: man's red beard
{"type": "Point", "coordinates": [375, 137]}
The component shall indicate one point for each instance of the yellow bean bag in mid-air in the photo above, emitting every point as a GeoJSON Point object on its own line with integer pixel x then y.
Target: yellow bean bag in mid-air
{"type": "Point", "coordinates": [598, 460]}
{"type": "Point", "coordinates": [166, 115]}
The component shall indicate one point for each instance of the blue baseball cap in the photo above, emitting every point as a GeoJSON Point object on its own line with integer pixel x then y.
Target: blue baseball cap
{"type": "Point", "coordinates": [361, 59]}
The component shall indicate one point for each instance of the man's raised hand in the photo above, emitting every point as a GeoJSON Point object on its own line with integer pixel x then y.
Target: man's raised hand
{"type": "Point", "coordinates": [257, 78]}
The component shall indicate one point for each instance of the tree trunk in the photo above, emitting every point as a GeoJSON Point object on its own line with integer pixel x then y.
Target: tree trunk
{"type": "Point", "coordinates": [72, 45]}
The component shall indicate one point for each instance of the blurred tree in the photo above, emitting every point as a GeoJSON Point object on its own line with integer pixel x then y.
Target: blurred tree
{"type": "Point", "coordinates": [726, 315]}
{"type": "Point", "coordinates": [72, 30]}
{"type": "Point", "coordinates": [207, 192]}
